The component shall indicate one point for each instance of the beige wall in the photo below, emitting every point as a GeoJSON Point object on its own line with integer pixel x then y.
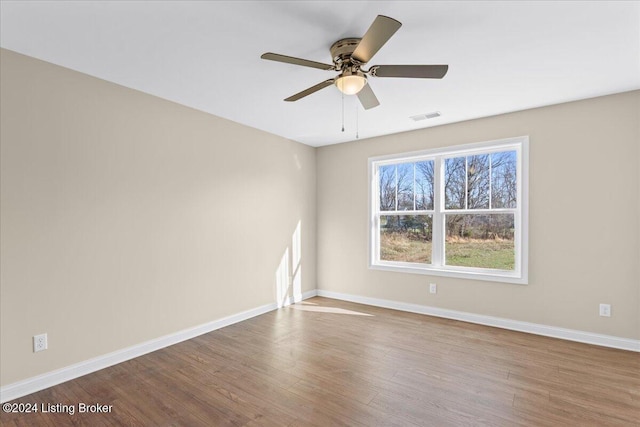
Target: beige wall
{"type": "Point", "coordinates": [584, 227]}
{"type": "Point", "coordinates": [126, 217]}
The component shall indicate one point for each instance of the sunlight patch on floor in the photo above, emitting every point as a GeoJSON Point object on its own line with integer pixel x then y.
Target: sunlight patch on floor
{"type": "Point", "coordinates": [308, 306]}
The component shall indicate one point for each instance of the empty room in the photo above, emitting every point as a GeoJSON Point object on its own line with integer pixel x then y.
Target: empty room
{"type": "Point", "coordinates": [318, 213]}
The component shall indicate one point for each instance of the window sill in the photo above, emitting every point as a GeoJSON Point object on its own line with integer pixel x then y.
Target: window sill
{"type": "Point", "coordinates": [490, 276]}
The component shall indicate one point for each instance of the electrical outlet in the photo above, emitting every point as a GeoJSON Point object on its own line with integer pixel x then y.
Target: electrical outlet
{"type": "Point", "coordinates": [433, 288]}
{"type": "Point", "coordinates": [39, 342]}
{"type": "Point", "coordinates": [605, 310]}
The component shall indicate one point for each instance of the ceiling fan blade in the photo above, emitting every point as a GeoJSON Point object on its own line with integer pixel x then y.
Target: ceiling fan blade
{"type": "Point", "coordinates": [310, 90]}
{"type": "Point", "coordinates": [367, 97]}
{"type": "Point", "coordinates": [411, 71]}
{"type": "Point", "coordinates": [295, 61]}
{"type": "Point", "coordinates": [376, 36]}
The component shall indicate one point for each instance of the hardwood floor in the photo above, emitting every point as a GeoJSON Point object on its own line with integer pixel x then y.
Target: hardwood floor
{"type": "Point", "coordinates": [326, 362]}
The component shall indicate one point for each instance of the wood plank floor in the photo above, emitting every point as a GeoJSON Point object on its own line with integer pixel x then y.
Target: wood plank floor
{"type": "Point", "coordinates": [326, 362]}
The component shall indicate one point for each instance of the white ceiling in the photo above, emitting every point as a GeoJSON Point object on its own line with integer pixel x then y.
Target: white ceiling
{"type": "Point", "coordinates": [502, 56]}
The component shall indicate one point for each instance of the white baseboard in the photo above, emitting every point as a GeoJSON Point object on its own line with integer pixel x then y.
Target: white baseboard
{"type": "Point", "coordinates": [514, 325]}
{"type": "Point", "coordinates": [49, 379]}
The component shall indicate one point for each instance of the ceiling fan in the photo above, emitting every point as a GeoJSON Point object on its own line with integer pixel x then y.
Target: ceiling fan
{"type": "Point", "coordinates": [351, 54]}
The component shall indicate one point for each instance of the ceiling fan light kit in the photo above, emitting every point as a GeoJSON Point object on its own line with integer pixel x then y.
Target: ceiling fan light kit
{"type": "Point", "coordinates": [351, 83]}
{"type": "Point", "coordinates": [351, 54]}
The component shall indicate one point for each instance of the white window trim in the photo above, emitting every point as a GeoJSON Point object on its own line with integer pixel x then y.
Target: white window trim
{"type": "Point", "coordinates": [437, 268]}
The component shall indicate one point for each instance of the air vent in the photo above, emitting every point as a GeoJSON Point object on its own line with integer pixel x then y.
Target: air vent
{"type": "Point", "coordinates": [419, 117]}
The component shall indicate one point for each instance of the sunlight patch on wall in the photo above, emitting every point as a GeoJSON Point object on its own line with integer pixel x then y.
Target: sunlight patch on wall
{"type": "Point", "coordinates": [289, 271]}
{"type": "Point", "coordinates": [296, 255]}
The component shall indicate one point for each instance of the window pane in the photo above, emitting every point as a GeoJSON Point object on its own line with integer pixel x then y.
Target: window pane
{"type": "Point", "coordinates": [504, 189]}
{"type": "Point", "coordinates": [482, 241]}
{"type": "Point", "coordinates": [406, 238]}
{"type": "Point", "coordinates": [387, 175]}
{"type": "Point", "coordinates": [454, 183]}
{"type": "Point", "coordinates": [424, 185]}
{"type": "Point", "coordinates": [405, 186]}
{"type": "Point", "coordinates": [478, 182]}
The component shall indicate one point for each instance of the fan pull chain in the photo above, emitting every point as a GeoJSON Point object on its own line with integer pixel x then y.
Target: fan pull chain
{"type": "Point", "coordinates": [342, 111]}
{"type": "Point", "coordinates": [357, 123]}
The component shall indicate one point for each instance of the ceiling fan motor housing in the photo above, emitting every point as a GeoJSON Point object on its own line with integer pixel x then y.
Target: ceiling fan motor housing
{"type": "Point", "coordinates": [341, 51]}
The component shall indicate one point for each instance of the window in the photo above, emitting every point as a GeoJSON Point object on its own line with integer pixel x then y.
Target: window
{"type": "Point", "coordinates": [459, 211]}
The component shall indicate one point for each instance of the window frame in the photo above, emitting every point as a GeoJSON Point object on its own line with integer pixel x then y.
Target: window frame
{"type": "Point", "coordinates": [437, 267]}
